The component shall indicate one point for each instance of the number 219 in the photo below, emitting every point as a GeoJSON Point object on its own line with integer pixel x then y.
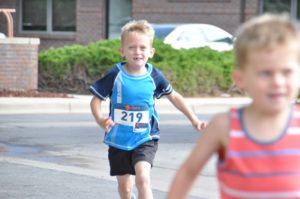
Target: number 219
{"type": "Point", "coordinates": [131, 116]}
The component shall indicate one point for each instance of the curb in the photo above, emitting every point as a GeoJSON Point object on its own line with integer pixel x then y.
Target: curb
{"type": "Point", "coordinates": [81, 104]}
{"type": "Point", "coordinates": [29, 105]}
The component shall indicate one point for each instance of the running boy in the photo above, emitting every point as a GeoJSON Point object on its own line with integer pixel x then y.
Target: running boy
{"type": "Point", "coordinates": [132, 128]}
{"type": "Point", "coordinates": [258, 145]}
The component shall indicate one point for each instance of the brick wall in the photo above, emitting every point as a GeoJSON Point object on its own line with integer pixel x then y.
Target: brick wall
{"type": "Point", "coordinates": [19, 63]}
{"type": "Point", "coordinates": [90, 20]}
{"type": "Point", "coordinates": [91, 17]}
{"type": "Point", "coordinates": [224, 14]}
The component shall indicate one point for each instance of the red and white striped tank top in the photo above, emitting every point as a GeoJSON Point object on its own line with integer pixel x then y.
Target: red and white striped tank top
{"type": "Point", "coordinates": [253, 169]}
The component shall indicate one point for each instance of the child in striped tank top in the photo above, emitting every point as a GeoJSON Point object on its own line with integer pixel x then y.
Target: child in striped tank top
{"type": "Point", "coordinates": [258, 146]}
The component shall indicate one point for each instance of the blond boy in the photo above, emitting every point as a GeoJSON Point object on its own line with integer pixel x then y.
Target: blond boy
{"type": "Point", "coordinates": [258, 145]}
{"type": "Point", "coordinates": [132, 131]}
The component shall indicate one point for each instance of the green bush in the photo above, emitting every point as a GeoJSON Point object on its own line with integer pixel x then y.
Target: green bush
{"type": "Point", "coordinates": [191, 72]}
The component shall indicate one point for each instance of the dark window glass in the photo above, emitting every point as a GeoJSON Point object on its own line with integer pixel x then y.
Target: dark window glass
{"type": "Point", "coordinates": [298, 10]}
{"type": "Point", "coordinates": [35, 15]}
{"type": "Point", "coordinates": [64, 15]}
{"type": "Point", "coordinates": [119, 14]}
{"type": "Point", "coordinates": [277, 6]}
{"type": "Point", "coordinates": [201, 1]}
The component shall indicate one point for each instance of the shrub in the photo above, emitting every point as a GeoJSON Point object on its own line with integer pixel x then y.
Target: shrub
{"type": "Point", "coordinates": [192, 72]}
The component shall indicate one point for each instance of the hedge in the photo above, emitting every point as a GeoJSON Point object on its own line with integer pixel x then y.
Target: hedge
{"type": "Point", "coordinates": [192, 72]}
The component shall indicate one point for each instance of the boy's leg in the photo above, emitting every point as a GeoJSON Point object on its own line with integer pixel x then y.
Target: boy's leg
{"type": "Point", "coordinates": [121, 167]}
{"type": "Point", "coordinates": [142, 160]}
{"type": "Point", "coordinates": [142, 179]}
{"type": "Point", "coordinates": [125, 186]}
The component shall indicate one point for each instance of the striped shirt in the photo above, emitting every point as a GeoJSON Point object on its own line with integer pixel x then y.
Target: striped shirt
{"type": "Point", "coordinates": [257, 169]}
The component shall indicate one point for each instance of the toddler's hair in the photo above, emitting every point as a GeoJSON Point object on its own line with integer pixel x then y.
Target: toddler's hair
{"type": "Point", "coordinates": [141, 26]}
{"type": "Point", "coordinates": [265, 32]}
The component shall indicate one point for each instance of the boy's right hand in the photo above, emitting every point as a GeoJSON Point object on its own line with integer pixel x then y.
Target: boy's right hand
{"type": "Point", "coordinates": [107, 124]}
{"type": "Point", "coordinates": [199, 125]}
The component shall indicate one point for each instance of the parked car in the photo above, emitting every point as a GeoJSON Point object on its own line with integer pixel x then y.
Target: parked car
{"type": "Point", "coordinates": [194, 36]}
{"type": "Point", "coordinates": [162, 30]}
{"type": "Point", "coordinates": [2, 35]}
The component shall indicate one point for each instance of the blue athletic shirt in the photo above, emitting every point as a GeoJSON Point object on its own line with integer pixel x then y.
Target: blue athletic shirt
{"type": "Point", "coordinates": [132, 105]}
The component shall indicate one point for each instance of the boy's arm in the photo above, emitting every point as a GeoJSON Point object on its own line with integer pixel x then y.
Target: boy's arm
{"type": "Point", "coordinates": [214, 138]}
{"type": "Point", "coordinates": [105, 123]}
{"type": "Point", "coordinates": [178, 101]}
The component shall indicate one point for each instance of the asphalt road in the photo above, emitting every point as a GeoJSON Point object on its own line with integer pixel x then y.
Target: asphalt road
{"type": "Point", "coordinates": [62, 156]}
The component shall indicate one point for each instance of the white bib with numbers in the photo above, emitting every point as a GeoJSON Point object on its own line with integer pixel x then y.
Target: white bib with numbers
{"type": "Point", "coordinates": [136, 116]}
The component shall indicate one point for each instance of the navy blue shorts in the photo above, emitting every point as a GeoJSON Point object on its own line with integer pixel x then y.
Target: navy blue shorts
{"type": "Point", "coordinates": [122, 162]}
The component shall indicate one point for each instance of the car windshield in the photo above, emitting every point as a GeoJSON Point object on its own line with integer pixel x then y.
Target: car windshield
{"type": "Point", "coordinates": [162, 31]}
{"type": "Point", "coordinates": [216, 35]}
{"type": "Point", "coordinates": [225, 39]}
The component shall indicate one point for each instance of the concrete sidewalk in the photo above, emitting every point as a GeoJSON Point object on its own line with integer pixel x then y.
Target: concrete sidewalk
{"type": "Point", "coordinates": [81, 104]}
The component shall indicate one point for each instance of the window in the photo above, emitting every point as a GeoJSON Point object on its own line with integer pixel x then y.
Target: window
{"type": "Point", "coordinates": [201, 1]}
{"type": "Point", "coordinates": [280, 6]}
{"type": "Point", "coordinates": [214, 34]}
{"type": "Point", "coordinates": [34, 15]}
{"type": "Point", "coordinates": [48, 15]}
{"type": "Point", "coordinates": [118, 15]}
{"type": "Point", "coordinates": [277, 6]}
{"type": "Point", "coordinates": [64, 13]}
{"type": "Point", "coordinates": [298, 10]}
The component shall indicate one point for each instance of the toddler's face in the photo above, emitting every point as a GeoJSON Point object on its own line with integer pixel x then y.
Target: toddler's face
{"type": "Point", "coordinates": [137, 49]}
{"type": "Point", "coordinates": [271, 77]}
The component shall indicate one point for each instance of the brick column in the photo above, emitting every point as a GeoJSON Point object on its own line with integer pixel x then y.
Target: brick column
{"type": "Point", "coordinates": [90, 21]}
{"type": "Point", "coordinates": [19, 63]}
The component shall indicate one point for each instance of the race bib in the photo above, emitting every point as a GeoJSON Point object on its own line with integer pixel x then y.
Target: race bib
{"type": "Point", "coordinates": [136, 116]}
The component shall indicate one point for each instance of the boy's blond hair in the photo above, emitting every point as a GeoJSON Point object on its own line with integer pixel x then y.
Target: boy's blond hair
{"type": "Point", "coordinates": [265, 32]}
{"type": "Point", "coordinates": [141, 26]}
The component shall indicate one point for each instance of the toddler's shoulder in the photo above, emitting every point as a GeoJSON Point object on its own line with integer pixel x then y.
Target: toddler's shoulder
{"type": "Point", "coordinates": [219, 125]}
{"type": "Point", "coordinates": [221, 120]}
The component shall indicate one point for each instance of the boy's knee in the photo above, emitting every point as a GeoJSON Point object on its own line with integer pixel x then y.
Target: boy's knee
{"type": "Point", "coordinates": [125, 189]}
{"type": "Point", "coordinates": [142, 180]}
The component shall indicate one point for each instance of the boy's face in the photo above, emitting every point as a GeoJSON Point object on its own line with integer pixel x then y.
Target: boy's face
{"type": "Point", "coordinates": [137, 49]}
{"type": "Point", "coordinates": [270, 77]}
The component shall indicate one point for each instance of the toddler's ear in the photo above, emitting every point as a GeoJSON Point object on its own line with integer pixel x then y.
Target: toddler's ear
{"type": "Point", "coordinates": [237, 78]}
